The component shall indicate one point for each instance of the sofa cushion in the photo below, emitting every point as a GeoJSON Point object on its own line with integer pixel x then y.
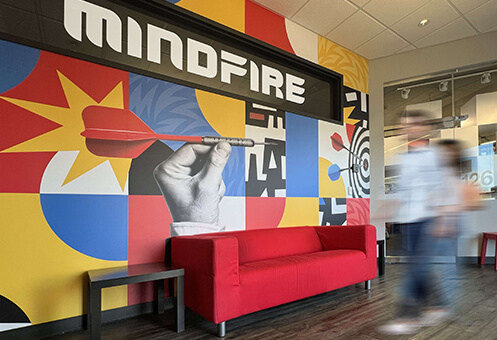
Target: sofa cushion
{"type": "Point", "coordinates": [264, 244]}
{"type": "Point", "coordinates": [268, 283]}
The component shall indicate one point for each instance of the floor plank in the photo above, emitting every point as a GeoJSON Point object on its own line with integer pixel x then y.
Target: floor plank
{"type": "Point", "coordinates": [348, 313]}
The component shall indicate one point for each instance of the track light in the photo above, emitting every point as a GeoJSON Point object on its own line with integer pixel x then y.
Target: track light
{"type": "Point", "coordinates": [443, 86]}
{"type": "Point", "coordinates": [405, 93]}
{"type": "Point", "coordinates": [486, 78]}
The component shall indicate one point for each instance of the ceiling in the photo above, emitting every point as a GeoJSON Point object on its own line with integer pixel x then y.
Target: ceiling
{"type": "Point", "coordinates": [378, 28]}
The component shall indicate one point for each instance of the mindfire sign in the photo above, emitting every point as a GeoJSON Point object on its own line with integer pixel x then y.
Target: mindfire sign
{"type": "Point", "coordinates": [163, 41]}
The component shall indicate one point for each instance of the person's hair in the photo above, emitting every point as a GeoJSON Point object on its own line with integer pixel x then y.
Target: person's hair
{"type": "Point", "coordinates": [455, 146]}
{"type": "Point", "coordinates": [421, 116]}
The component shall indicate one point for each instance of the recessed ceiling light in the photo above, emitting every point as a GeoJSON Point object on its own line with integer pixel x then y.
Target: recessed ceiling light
{"type": "Point", "coordinates": [424, 22]}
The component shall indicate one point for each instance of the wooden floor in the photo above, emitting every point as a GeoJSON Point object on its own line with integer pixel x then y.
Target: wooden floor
{"type": "Point", "coordinates": [347, 313]}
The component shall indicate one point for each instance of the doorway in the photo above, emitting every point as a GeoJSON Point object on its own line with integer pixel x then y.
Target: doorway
{"type": "Point", "coordinates": [462, 106]}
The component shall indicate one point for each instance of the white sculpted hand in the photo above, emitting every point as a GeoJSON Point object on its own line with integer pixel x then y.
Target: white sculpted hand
{"type": "Point", "coordinates": [191, 182]}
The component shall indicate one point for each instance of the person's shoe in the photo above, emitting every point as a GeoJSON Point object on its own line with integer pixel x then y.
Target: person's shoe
{"type": "Point", "coordinates": [400, 327]}
{"type": "Point", "coordinates": [434, 317]}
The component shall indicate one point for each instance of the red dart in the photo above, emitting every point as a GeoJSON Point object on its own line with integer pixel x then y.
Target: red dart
{"type": "Point", "coordinates": [337, 143]}
{"type": "Point", "coordinates": [114, 132]}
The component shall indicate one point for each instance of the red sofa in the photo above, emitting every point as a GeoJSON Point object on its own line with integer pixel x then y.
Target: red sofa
{"type": "Point", "coordinates": [230, 274]}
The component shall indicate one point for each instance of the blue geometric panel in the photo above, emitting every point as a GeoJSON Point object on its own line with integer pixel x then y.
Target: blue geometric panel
{"type": "Point", "coordinates": [170, 108]}
{"type": "Point", "coordinates": [302, 158]}
{"type": "Point", "coordinates": [16, 63]}
{"type": "Point", "coordinates": [95, 225]}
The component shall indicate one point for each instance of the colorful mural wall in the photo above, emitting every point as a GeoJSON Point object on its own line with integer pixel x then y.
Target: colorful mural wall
{"type": "Point", "coordinates": [72, 200]}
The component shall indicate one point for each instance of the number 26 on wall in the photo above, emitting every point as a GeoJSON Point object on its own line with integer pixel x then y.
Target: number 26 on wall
{"type": "Point", "coordinates": [486, 178]}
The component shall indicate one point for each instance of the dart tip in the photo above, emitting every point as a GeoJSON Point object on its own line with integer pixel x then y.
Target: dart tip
{"type": "Point", "coordinates": [266, 143]}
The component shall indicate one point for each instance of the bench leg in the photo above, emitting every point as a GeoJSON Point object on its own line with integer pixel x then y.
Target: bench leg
{"type": "Point", "coordinates": [483, 250]}
{"type": "Point", "coordinates": [160, 296]}
{"type": "Point", "coordinates": [221, 329]}
{"type": "Point", "coordinates": [95, 312]}
{"type": "Point", "coordinates": [180, 304]}
{"type": "Point", "coordinates": [367, 284]}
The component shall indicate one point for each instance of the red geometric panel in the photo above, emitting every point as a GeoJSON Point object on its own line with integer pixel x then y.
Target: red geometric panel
{"type": "Point", "coordinates": [267, 26]}
{"type": "Point", "coordinates": [18, 125]}
{"type": "Point", "coordinates": [264, 212]}
{"type": "Point", "coordinates": [357, 211]}
{"type": "Point", "coordinates": [148, 228]}
{"type": "Point", "coordinates": [22, 172]}
{"type": "Point", "coordinates": [350, 131]}
{"type": "Point", "coordinates": [43, 84]}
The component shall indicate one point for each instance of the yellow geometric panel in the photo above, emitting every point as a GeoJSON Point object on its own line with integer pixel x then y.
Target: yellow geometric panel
{"type": "Point", "coordinates": [230, 13]}
{"type": "Point", "coordinates": [40, 273]}
{"type": "Point", "coordinates": [225, 115]}
{"type": "Point", "coordinates": [300, 211]}
{"type": "Point", "coordinates": [355, 69]}
{"type": "Point", "coordinates": [346, 116]}
{"type": "Point", "coordinates": [327, 187]}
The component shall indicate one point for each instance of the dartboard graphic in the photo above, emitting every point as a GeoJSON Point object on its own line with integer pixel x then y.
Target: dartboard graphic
{"type": "Point", "coordinates": [359, 180]}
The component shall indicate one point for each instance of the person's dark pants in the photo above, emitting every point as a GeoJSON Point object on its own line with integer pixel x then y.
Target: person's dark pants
{"type": "Point", "coordinates": [416, 280]}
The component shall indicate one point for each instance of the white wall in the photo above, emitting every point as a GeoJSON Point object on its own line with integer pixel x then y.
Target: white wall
{"type": "Point", "coordinates": [425, 61]}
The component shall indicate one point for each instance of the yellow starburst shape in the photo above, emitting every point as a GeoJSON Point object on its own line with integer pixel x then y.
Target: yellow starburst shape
{"type": "Point", "coordinates": [68, 137]}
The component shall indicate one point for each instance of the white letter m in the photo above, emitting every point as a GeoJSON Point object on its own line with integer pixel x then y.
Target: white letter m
{"type": "Point", "coordinates": [95, 15]}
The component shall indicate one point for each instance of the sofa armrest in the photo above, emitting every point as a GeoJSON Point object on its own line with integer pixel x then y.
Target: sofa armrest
{"type": "Point", "coordinates": [211, 273]}
{"type": "Point", "coordinates": [359, 237]}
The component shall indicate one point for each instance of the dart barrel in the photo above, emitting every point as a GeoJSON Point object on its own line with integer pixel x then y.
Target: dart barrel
{"type": "Point", "coordinates": [230, 140]}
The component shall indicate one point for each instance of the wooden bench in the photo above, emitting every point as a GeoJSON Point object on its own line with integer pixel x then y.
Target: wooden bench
{"type": "Point", "coordinates": [110, 277]}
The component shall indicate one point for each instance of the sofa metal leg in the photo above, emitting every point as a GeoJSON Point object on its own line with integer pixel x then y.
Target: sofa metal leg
{"type": "Point", "coordinates": [221, 329]}
{"type": "Point", "coordinates": [367, 285]}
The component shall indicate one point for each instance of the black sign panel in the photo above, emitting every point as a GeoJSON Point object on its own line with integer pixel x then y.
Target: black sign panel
{"type": "Point", "coordinates": [163, 41]}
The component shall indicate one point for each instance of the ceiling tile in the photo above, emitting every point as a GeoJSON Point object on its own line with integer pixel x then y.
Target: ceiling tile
{"type": "Point", "coordinates": [355, 31]}
{"type": "Point", "coordinates": [465, 6]}
{"type": "Point", "coordinates": [406, 49]}
{"type": "Point", "coordinates": [440, 14]}
{"type": "Point", "coordinates": [321, 16]}
{"type": "Point", "coordinates": [384, 44]}
{"type": "Point", "coordinates": [360, 3]}
{"type": "Point", "coordinates": [484, 17]}
{"type": "Point", "coordinates": [491, 29]}
{"type": "Point", "coordinates": [457, 29]}
{"type": "Point", "coordinates": [284, 8]}
{"type": "Point", "coordinates": [391, 11]}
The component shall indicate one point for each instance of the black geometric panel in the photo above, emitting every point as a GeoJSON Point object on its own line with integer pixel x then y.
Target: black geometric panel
{"type": "Point", "coordinates": [11, 313]}
{"type": "Point", "coordinates": [141, 179]}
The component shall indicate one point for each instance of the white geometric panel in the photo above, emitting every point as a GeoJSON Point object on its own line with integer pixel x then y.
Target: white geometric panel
{"type": "Point", "coordinates": [232, 213]}
{"type": "Point", "coordinates": [326, 150]}
{"type": "Point", "coordinates": [304, 42]}
{"type": "Point", "coordinates": [355, 31]}
{"type": "Point", "coordinates": [100, 180]}
{"type": "Point", "coordinates": [13, 325]}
